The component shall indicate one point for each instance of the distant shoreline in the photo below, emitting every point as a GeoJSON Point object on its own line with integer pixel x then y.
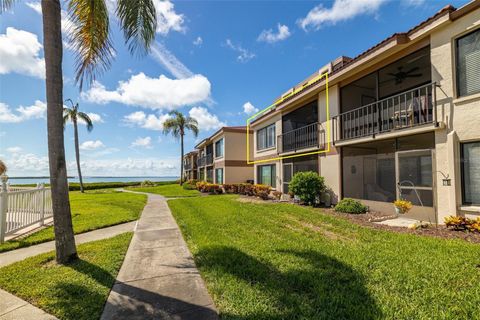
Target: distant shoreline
{"type": "Point", "coordinates": [99, 177]}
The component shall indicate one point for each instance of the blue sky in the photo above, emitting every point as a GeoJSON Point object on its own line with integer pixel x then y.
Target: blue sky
{"type": "Point", "coordinates": [218, 61]}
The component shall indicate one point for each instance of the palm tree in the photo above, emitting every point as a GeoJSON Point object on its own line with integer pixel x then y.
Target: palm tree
{"type": "Point", "coordinates": [72, 114]}
{"type": "Point", "coordinates": [177, 126]}
{"type": "Point", "coordinates": [90, 37]}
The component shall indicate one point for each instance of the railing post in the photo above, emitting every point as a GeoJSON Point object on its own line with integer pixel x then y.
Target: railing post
{"type": "Point", "coordinates": [42, 204]}
{"type": "Point", "coordinates": [3, 208]}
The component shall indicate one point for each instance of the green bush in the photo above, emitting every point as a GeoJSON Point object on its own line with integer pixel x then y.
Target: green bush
{"type": "Point", "coordinates": [190, 184]}
{"type": "Point", "coordinates": [307, 186]}
{"type": "Point", "coordinates": [348, 205]}
{"type": "Point", "coordinates": [147, 183]}
{"type": "Point", "coordinates": [101, 185]}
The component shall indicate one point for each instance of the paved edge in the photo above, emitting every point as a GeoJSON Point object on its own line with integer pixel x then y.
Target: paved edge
{"type": "Point", "coordinates": [16, 255]}
{"type": "Point", "coordinates": [158, 278]}
{"type": "Point", "coordinates": [12, 307]}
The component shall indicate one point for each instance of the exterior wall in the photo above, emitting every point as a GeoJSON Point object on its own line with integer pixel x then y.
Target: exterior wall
{"type": "Point", "coordinates": [237, 174]}
{"type": "Point", "coordinates": [236, 146]}
{"type": "Point", "coordinates": [460, 115]}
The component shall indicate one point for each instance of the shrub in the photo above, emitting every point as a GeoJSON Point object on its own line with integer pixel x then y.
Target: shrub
{"type": "Point", "coordinates": [230, 188]}
{"type": "Point", "coordinates": [307, 186]}
{"type": "Point", "coordinates": [207, 187]}
{"type": "Point", "coordinates": [277, 195]}
{"type": "Point", "coordinates": [201, 185]}
{"type": "Point", "coordinates": [190, 184]}
{"type": "Point", "coordinates": [74, 186]}
{"type": "Point", "coordinates": [403, 205]}
{"type": "Point", "coordinates": [348, 205]}
{"type": "Point", "coordinates": [247, 189]}
{"type": "Point", "coordinates": [462, 224]}
{"type": "Point", "coordinates": [261, 191]}
{"type": "Point", "coordinates": [147, 183]}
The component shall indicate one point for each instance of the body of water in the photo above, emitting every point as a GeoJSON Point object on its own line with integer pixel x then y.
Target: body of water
{"type": "Point", "coordinates": [34, 180]}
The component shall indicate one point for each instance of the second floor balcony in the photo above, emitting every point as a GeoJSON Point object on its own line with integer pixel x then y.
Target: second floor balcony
{"type": "Point", "coordinates": [412, 108]}
{"type": "Point", "coordinates": [306, 137]}
{"type": "Point", "coordinates": [205, 160]}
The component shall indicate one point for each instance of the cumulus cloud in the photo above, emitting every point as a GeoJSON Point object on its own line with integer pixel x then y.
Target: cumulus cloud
{"type": "Point", "coordinates": [142, 143]}
{"type": "Point", "coordinates": [249, 108]}
{"type": "Point", "coordinates": [14, 150]}
{"type": "Point", "coordinates": [244, 55]}
{"type": "Point", "coordinates": [35, 111]}
{"type": "Point", "coordinates": [167, 18]}
{"type": "Point", "coordinates": [340, 11]}
{"type": "Point", "coordinates": [154, 93]}
{"type": "Point", "coordinates": [92, 145]}
{"type": "Point", "coordinates": [198, 41]}
{"type": "Point", "coordinates": [151, 121]}
{"type": "Point", "coordinates": [20, 53]}
{"type": "Point", "coordinates": [270, 36]}
{"type": "Point", "coordinates": [206, 120]}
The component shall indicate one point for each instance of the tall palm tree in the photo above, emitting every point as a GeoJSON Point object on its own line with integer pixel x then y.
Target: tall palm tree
{"type": "Point", "coordinates": [90, 37]}
{"type": "Point", "coordinates": [177, 125]}
{"type": "Point", "coordinates": [73, 114]}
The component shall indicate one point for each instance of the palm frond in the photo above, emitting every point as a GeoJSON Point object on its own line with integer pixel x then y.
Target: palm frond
{"type": "Point", "coordinates": [138, 20]}
{"type": "Point", "coordinates": [172, 126]}
{"type": "Point", "coordinates": [6, 5]}
{"type": "Point", "coordinates": [192, 125]}
{"type": "Point", "coordinates": [83, 116]}
{"type": "Point", "coordinates": [90, 37]}
{"type": "Point", "coordinates": [66, 118]}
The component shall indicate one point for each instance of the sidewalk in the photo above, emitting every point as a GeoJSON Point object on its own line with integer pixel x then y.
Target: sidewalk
{"type": "Point", "coordinates": [9, 257]}
{"type": "Point", "coordinates": [158, 278]}
{"type": "Point", "coordinates": [12, 307]}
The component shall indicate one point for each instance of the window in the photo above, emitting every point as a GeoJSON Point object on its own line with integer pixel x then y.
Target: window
{"type": "Point", "coordinates": [471, 173]}
{"type": "Point", "coordinates": [266, 175]}
{"type": "Point", "coordinates": [468, 64]}
{"type": "Point", "coordinates": [266, 137]}
{"type": "Point", "coordinates": [219, 176]}
{"type": "Point", "coordinates": [219, 148]}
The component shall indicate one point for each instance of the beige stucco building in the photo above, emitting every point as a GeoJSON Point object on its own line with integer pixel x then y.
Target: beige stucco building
{"type": "Point", "coordinates": [222, 157]}
{"type": "Point", "coordinates": [404, 122]}
{"type": "Point", "coordinates": [190, 165]}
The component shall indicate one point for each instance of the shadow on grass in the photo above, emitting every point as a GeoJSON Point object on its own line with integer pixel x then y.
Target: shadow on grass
{"type": "Point", "coordinates": [320, 288]}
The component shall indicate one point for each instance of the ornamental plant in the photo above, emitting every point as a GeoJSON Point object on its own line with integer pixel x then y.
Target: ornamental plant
{"type": "Point", "coordinates": [403, 205]}
{"type": "Point", "coordinates": [349, 205]}
{"type": "Point", "coordinates": [262, 191]}
{"type": "Point", "coordinates": [307, 186]}
{"type": "Point", "coordinates": [462, 224]}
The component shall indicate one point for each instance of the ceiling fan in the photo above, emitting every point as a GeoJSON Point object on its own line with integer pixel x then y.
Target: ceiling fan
{"type": "Point", "coordinates": [401, 75]}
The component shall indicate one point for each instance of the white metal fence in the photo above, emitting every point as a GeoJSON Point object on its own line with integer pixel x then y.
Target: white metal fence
{"type": "Point", "coordinates": [23, 207]}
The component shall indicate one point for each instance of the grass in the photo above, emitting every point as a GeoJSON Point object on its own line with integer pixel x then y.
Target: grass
{"type": "Point", "coordinates": [90, 211]}
{"type": "Point", "coordinates": [74, 291]}
{"type": "Point", "coordinates": [169, 191]}
{"type": "Point", "coordinates": [282, 261]}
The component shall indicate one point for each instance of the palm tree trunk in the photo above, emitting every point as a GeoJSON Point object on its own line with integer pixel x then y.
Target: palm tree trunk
{"type": "Point", "coordinates": [52, 43]}
{"type": "Point", "coordinates": [77, 154]}
{"type": "Point", "coordinates": [181, 162]}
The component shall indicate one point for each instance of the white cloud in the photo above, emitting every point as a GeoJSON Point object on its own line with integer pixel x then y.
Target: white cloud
{"type": "Point", "coordinates": [249, 108]}
{"type": "Point", "coordinates": [160, 53]}
{"type": "Point", "coordinates": [37, 6]}
{"type": "Point", "coordinates": [14, 149]}
{"type": "Point", "coordinates": [243, 54]}
{"type": "Point", "coordinates": [142, 143]}
{"type": "Point", "coordinates": [35, 111]}
{"type": "Point", "coordinates": [20, 53]}
{"type": "Point", "coordinates": [340, 11]}
{"type": "Point", "coordinates": [92, 145]}
{"type": "Point", "coordinates": [154, 93]}
{"type": "Point", "coordinates": [413, 3]}
{"type": "Point", "coordinates": [270, 36]}
{"type": "Point", "coordinates": [206, 120]}
{"type": "Point", "coordinates": [198, 41]}
{"type": "Point", "coordinates": [151, 121]}
{"type": "Point", "coordinates": [167, 18]}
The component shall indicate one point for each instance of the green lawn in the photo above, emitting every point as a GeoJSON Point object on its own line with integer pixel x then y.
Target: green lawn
{"type": "Point", "coordinates": [169, 191]}
{"type": "Point", "coordinates": [76, 291]}
{"type": "Point", "coordinates": [90, 210]}
{"type": "Point", "coordinates": [282, 261]}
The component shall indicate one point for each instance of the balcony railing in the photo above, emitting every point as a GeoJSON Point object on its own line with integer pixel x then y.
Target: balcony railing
{"type": "Point", "coordinates": [405, 110]}
{"type": "Point", "coordinates": [205, 160]}
{"type": "Point", "coordinates": [188, 166]}
{"type": "Point", "coordinates": [310, 136]}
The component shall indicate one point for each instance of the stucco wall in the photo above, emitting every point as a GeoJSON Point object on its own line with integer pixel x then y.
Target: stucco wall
{"type": "Point", "coordinates": [238, 174]}
{"type": "Point", "coordinates": [460, 115]}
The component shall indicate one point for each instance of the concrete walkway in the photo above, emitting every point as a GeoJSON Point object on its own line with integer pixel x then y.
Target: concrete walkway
{"type": "Point", "coordinates": [401, 222]}
{"type": "Point", "coordinates": [14, 308]}
{"type": "Point", "coordinates": [9, 257]}
{"type": "Point", "coordinates": [158, 278]}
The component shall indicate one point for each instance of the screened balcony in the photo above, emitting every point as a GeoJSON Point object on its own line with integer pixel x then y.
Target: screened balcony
{"type": "Point", "coordinates": [408, 109]}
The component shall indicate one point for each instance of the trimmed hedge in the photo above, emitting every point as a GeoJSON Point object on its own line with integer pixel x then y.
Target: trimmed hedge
{"type": "Point", "coordinates": [349, 205]}
{"type": "Point", "coordinates": [307, 186]}
{"type": "Point", "coordinates": [75, 186]}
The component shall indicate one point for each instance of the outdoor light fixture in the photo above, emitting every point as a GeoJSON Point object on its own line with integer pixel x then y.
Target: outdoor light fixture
{"type": "Point", "coordinates": [447, 182]}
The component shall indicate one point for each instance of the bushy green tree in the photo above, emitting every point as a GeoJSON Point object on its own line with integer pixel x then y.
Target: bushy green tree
{"type": "Point", "coordinates": [307, 186]}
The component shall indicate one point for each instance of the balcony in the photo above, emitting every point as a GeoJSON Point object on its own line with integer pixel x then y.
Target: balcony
{"type": "Point", "coordinates": [408, 109]}
{"type": "Point", "coordinates": [205, 160]}
{"type": "Point", "coordinates": [188, 166]}
{"type": "Point", "coordinates": [310, 136]}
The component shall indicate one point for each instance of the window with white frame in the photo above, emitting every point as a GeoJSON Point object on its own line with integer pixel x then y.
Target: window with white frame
{"type": "Point", "coordinates": [266, 174]}
{"type": "Point", "coordinates": [470, 153]}
{"type": "Point", "coordinates": [266, 137]}
{"type": "Point", "coordinates": [219, 175]}
{"type": "Point", "coordinates": [468, 64]}
{"type": "Point", "coordinates": [219, 148]}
